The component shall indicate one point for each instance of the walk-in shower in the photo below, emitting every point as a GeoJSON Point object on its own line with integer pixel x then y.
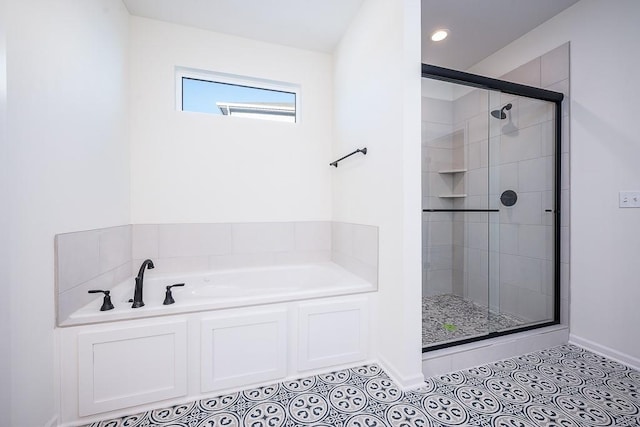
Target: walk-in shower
{"type": "Point", "coordinates": [490, 207]}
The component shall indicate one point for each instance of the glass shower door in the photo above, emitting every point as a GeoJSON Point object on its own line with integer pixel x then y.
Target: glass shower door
{"type": "Point", "coordinates": [456, 222]}
{"type": "Point", "coordinates": [489, 211]}
{"type": "Point", "coordinates": [522, 157]}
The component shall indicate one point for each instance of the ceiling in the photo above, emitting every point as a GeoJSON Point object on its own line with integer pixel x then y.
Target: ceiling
{"type": "Point", "coordinates": [478, 28]}
{"type": "Point", "coordinates": [308, 24]}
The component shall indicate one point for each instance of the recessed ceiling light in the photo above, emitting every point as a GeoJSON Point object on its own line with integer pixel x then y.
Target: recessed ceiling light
{"type": "Point", "coordinates": [439, 35]}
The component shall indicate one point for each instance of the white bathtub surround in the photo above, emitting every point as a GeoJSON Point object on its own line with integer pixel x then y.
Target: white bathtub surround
{"type": "Point", "coordinates": [105, 258]}
{"type": "Point", "coordinates": [261, 302]}
{"type": "Point", "coordinates": [95, 259]}
{"type": "Point", "coordinates": [223, 289]}
{"type": "Point", "coordinates": [185, 357]}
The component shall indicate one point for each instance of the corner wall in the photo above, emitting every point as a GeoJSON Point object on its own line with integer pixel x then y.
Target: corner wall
{"type": "Point", "coordinates": [67, 165]}
{"type": "Point", "coordinates": [604, 151]}
{"type": "Point", "coordinates": [194, 167]}
{"type": "Point", "coordinates": [5, 303]}
{"type": "Point", "coordinates": [377, 105]}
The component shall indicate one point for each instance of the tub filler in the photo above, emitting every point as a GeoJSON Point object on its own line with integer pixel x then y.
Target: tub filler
{"type": "Point", "coordinates": [228, 329]}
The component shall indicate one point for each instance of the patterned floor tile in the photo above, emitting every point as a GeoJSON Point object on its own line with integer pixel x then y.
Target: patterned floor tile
{"type": "Point", "coordinates": [561, 386]}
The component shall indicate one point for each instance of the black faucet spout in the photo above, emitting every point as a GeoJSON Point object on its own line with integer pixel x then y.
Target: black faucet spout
{"type": "Point", "coordinates": [137, 294]}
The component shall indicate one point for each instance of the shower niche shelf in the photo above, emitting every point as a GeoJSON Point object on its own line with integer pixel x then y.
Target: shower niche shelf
{"type": "Point", "coordinates": [451, 196]}
{"type": "Point", "coordinates": [451, 171]}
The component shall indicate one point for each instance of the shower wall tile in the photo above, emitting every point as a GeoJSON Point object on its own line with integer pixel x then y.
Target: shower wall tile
{"type": "Point", "coordinates": [566, 135]}
{"type": "Point", "coordinates": [437, 110]}
{"type": "Point", "coordinates": [535, 241]}
{"type": "Point", "coordinates": [440, 257]}
{"type": "Point", "coordinates": [469, 105]}
{"type": "Point", "coordinates": [457, 282]}
{"type": "Point", "coordinates": [477, 182]}
{"type": "Point", "coordinates": [438, 159]}
{"type": "Point", "coordinates": [527, 74]}
{"type": "Point", "coordinates": [440, 183]}
{"type": "Point", "coordinates": [554, 65]}
{"type": "Point", "coordinates": [521, 271]}
{"type": "Point", "coordinates": [508, 177]}
{"type": "Point", "coordinates": [564, 280]}
{"type": "Point", "coordinates": [532, 175]}
{"type": "Point", "coordinates": [532, 305]}
{"type": "Point", "coordinates": [527, 210]}
{"type": "Point", "coordinates": [533, 112]}
{"type": "Point", "coordinates": [529, 143]}
{"type": "Point", "coordinates": [478, 235]}
{"type": "Point", "coordinates": [435, 134]}
{"type": "Point", "coordinates": [438, 282]}
{"type": "Point", "coordinates": [547, 277]}
{"type": "Point", "coordinates": [566, 172]}
{"type": "Point", "coordinates": [565, 206]}
{"type": "Point", "coordinates": [458, 160]}
{"type": "Point", "coordinates": [439, 233]}
{"type": "Point", "coordinates": [478, 128]}
{"type": "Point", "coordinates": [509, 239]}
{"type": "Point", "coordinates": [563, 87]}
{"type": "Point", "coordinates": [564, 245]}
{"type": "Point", "coordinates": [473, 155]}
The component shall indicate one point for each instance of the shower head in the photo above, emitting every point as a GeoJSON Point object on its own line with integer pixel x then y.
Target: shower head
{"type": "Point", "coordinates": [500, 114]}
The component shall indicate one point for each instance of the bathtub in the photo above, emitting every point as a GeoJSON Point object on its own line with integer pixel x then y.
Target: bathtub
{"type": "Point", "coordinates": [221, 289]}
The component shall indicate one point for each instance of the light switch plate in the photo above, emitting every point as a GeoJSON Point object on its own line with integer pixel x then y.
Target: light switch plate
{"type": "Point", "coordinates": [630, 199]}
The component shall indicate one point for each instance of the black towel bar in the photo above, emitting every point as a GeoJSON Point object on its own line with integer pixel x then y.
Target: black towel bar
{"type": "Point", "coordinates": [359, 150]}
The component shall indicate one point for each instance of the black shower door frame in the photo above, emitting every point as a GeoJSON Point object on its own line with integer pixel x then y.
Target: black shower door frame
{"type": "Point", "coordinates": [482, 82]}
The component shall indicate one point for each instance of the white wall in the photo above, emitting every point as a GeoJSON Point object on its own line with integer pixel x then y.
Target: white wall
{"type": "Point", "coordinates": [377, 105]}
{"type": "Point", "coordinates": [191, 167]}
{"type": "Point", "coordinates": [5, 303]}
{"type": "Point", "coordinates": [67, 165]}
{"type": "Point", "coordinates": [604, 151]}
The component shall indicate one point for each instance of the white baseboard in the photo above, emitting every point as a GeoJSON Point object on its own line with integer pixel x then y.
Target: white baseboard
{"type": "Point", "coordinates": [404, 382]}
{"type": "Point", "coordinates": [625, 359]}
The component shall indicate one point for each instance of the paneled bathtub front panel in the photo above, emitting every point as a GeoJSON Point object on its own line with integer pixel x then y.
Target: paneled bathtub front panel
{"type": "Point", "coordinates": [125, 367]}
{"type": "Point", "coordinates": [242, 349]}
{"type": "Point", "coordinates": [332, 333]}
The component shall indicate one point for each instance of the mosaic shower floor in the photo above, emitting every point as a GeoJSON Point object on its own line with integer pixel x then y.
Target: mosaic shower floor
{"type": "Point", "coordinates": [562, 386]}
{"type": "Point", "coordinates": [449, 317]}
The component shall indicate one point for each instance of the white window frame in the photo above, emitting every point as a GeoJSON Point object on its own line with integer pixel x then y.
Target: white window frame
{"type": "Point", "coordinates": [254, 82]}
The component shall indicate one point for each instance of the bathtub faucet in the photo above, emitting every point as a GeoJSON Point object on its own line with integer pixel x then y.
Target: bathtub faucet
{"type": "Point", "coordinates": [137, 294]}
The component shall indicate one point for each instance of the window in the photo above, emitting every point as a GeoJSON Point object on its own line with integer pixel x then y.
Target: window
{"type": "Point", "coordinates": [228, 95]}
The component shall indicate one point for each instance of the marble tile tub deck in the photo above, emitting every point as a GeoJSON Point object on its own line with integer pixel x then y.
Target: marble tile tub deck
{"type": "Point", "coordinates": [560, 386]}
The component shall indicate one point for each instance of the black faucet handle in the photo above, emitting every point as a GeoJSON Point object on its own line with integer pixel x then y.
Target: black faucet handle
{"type": "Point", "coordinates": [168, 298]}
{"type": "Point", "coordinates": [106, 302]}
